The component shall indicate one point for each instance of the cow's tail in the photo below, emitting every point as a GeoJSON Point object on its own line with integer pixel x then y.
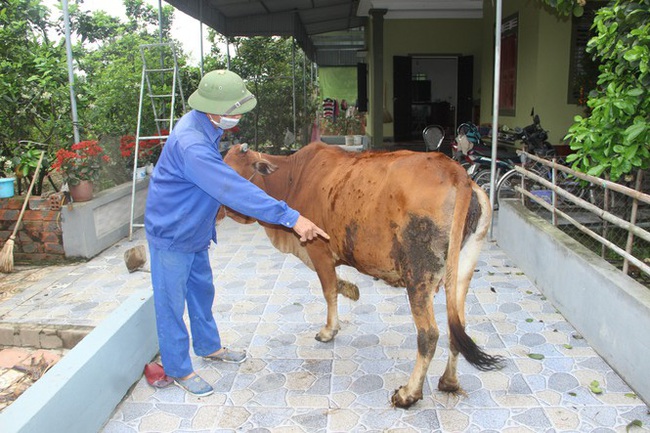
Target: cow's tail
{"type": "Point", "coordinates": [458, 337]}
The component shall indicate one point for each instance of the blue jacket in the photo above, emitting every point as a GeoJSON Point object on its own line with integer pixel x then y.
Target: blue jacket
{"type": "Point", "coordinates": [189, 184]}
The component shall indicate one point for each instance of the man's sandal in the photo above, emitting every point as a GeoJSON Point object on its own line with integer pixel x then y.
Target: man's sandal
{"type": "Point", "coordinates": [227, 355]}
{"type": "Point", "coordinates": [194, 385]}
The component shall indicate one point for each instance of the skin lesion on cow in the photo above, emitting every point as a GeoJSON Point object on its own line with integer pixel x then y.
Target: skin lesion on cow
{"type": "Point", "coordinates": [427, 342]}
{"type": "Point", "coordinates": [349, 243]}
{"type": "Point", "coordinates": [413, 252]}
{"type": "Point", "coordinates": [335, 190]}
{"type": "Point", "coordinates": [473, 216]}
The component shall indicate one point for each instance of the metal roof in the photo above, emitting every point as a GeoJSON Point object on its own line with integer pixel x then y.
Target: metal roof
{"type": "Point", "coordinates": [312, 22]}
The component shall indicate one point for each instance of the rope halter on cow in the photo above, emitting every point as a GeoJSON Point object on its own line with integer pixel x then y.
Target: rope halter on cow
{"type": "Point", "coordinates": [245, 149]}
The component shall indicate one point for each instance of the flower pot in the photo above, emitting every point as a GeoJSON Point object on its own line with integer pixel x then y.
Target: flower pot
{"type": "Point", "coordinates": [349, 140]}
{"type": "Point", "coordinates": [83, 191]}
{"type": "Point", "coordinates": [6, 187]}
{"type": "Point", "coordinates": [149, 168]}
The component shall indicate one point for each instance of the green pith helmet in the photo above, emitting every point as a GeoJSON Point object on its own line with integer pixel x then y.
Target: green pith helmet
{"type": "Point", "coordinates": [222, 92]}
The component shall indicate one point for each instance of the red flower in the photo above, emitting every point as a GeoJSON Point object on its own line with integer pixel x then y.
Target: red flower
{"type": "Point", "coordinates": [82, 162]}
{"type": "Point", "coordinates": [148, 150]}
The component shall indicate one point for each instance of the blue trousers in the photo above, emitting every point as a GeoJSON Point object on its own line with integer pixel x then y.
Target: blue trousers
{"type": "Point", "coordinates": [179, 279]}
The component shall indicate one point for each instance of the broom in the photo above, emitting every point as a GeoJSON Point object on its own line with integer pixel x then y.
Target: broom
{"type": "Point", "coordinates": [387, 116]}
{"type": "Point", "coordinates": [7, 253]}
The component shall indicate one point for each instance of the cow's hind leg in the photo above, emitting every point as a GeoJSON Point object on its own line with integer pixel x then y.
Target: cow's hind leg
{"type": "Point", "coordinates": [448, 382]}
{"type": "Point", "coordinates": [469, 254]}
{"type": "Point", "coordinates": [421, 301]}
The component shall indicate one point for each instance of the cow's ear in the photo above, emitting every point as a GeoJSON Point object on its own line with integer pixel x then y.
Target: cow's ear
{"type": "Point", "coordinates": [264, 167]}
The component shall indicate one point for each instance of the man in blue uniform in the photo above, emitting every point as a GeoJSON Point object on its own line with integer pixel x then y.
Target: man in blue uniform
{"type": "Point", "coordinates": [188, 185]}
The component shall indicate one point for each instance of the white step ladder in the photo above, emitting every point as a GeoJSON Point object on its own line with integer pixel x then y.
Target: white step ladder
{"type": "Point", "coordinates": [162, 85]}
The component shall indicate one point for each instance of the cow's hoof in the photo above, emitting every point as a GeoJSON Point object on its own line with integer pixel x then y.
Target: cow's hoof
{"type": "Point", "coordinates": [404, 401]}
{"type": "Point", "coordinates": [325, 335]}
{"type": "Point", "coordinates": [446, 385]}
{"type": "Point", "coordinates": [451, 388]}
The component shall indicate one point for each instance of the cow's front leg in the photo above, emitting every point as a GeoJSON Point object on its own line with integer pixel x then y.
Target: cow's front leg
{"type": "Point", "coordinates": [324, 267]}
{"type": "Point", "coordinates": [421, 301]}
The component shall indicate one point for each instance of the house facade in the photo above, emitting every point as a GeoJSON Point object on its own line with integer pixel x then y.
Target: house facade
{"type": "Point", "coordinates": [536, 61]}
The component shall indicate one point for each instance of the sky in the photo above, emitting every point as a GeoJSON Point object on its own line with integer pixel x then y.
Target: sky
{"type": "Point", "coordinates": [185, 28]}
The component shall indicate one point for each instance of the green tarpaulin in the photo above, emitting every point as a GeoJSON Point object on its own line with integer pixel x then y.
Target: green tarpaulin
{"type": "Point", "coordinates": [338, 83]}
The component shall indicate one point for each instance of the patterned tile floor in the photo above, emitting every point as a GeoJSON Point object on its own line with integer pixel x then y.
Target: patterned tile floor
{"type": "Point", "coordinates": [271, 305]}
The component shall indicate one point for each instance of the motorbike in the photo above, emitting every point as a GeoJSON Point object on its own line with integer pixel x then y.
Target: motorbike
{"type": "Point", "coordinates": [470, 150]}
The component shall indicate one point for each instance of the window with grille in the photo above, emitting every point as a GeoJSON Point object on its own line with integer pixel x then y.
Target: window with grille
{"type": "Point", "coordinates": [583, 71]}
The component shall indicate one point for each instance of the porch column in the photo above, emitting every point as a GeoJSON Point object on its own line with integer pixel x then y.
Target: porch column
{"type": "Point", "coordinates": [377, 100]}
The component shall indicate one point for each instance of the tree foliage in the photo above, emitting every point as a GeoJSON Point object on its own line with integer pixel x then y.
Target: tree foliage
{"type": "Point", "coordinates": [107, 69]}
{"type": "Point", "coordinates": [567, 7]}
{"type": "Point", "coordinates": [33, 77]}
{"type": "Point", "coordinates": [268, 67]}
{"type": "Point", "coordinates": [110, 66]}
{"type": "Point", "coordinates": [613, 139]}
{"type": "Point", "coordinates": [34, 84]}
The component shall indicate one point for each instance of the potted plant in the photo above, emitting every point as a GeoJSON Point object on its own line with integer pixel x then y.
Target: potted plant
{"type": "Point", "coordinates": [127, 150]}
{"type": "Point", "coordinates": [148, 153]}
{"type": "Point", "coordinates": [6, 178]}
{"type": "Point", "coordinates": [349, 125]}
{"type": "Point", "coordinates": [80, 167]}
{"type": "Point", "coordinates": [24, 162]}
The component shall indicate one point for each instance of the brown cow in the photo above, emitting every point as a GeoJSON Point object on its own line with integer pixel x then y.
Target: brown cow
{"type": "Point", "coordinates": [412, 219]}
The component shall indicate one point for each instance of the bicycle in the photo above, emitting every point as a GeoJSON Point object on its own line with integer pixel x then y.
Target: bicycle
{"type": "Point", "coordinates": [533, 139]}
{"type": "Point", "coordinates": [506, 185]}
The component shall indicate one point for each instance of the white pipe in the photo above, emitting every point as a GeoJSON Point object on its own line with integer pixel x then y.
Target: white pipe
{"type": "Point", "coordinates": [68, 49]}
{"type": "Point", "coordinates": [160, 25]}
{"type": "Point", "coordinates": [306, 139]}
{"type": "Point", "coordinates": [495, 104]}
{"type": "Point", "coordinates": [293, 84]}
{"type": "Point", "coordinates": [201, 33]}
{"type": "Point", "coordinates": [228, 51]}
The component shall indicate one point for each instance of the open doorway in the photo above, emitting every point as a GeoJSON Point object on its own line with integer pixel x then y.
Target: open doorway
{"type": "Point", "coordinates": [430, 90]}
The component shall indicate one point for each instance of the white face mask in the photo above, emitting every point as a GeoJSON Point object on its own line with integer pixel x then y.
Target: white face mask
{"type": "Point", "coordinates": [226, 122]}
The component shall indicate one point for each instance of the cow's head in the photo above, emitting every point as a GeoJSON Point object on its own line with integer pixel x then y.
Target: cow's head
{"type": "Point", "coordinates": [247, 162]}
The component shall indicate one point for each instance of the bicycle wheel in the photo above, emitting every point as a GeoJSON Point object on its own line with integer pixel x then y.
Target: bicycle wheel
{"type": "Point", "coordinates": [482, 179]}
{"type": "Point", "coordinates": [505, 188]}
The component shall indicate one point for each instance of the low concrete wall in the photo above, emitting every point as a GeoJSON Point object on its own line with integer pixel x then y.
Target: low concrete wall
{"type": "Point", "coordinates": [81, 391]}
{"type": "Point", "coordinates": [608, 308]}
{"type": "Point", "coordinates": [340, 139]}
{"type": "Point", "coordinates": [42, 336]}
{"type": "Point", "coordinates": [92, 226]}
